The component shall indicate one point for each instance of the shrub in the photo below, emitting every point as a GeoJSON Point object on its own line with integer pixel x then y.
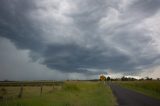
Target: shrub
{"type": "Point", "coordinates": [70, 87]}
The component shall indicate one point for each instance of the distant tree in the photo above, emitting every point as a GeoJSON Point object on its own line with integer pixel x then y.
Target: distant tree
{"type": "Point", "coordinates": [147, 78]}
{"type": "Point", "coordinates": [124, 78]}
{"type": "Point", "coordinates": [108, 78]}
{"type": "Point", "coordinates": [158, 78]}
{"type": "Point", "coordinates": [114, 79]}
{"type": "Point", "coordinates": [141, 79]}
{"type": "Point", "coordinates": [6, 80]}
{"type": "Point", "coordinates": [128, 79]}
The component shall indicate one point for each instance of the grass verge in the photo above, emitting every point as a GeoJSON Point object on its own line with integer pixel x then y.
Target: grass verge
{"type": "Point", "coordinates": [68, 94]}
{"type": "Point", "coordinates": [149, 88]}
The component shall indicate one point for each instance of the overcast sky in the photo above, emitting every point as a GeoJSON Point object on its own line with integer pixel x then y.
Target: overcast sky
{"type": "Point", "coordinates": [79, 39]}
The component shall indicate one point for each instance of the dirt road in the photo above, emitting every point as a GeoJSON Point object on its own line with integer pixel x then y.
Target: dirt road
{"type": "Point", "coordinates": [126, 97]}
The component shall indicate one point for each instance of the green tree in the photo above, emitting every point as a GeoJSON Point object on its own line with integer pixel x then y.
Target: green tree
{"type": "Point", "coordinates": [108, 78]}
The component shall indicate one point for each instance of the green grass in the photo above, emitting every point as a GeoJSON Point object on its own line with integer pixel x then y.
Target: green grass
{"type": "Point", "coordinates": [68, 94]}
{"type": "Point", "coordinates": [149, 88]}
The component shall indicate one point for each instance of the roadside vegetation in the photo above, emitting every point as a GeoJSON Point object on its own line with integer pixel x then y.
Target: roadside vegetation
{"type": "Point", "coordinates": [69, 93]}
{"type": "Point", "coordinates": [146, 87]}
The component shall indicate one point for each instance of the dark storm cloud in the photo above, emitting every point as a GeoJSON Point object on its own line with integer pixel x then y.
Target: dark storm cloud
{"type": "Point", "coordinates": [145, 7]}
{"type": "Point", "coordinates": [74, 58]}
{"type": "Point", "coordinates": [78, 39]}
{"type": "Point", "coordinates": [15, 25]}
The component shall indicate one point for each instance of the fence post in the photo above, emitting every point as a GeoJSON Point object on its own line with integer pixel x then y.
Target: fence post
{"type": "Point", "coordinates": [21, 91]}
{"type": "Point", "coordinates": [41, 90]}
{"type": "Point", "coordinates": [53, 85]}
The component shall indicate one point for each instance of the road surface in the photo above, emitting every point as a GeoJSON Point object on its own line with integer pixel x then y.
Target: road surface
{"type": "Point", "coordinates": [126, 97]}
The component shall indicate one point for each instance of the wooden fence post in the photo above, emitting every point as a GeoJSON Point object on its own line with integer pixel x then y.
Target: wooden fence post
{"type": "Point", "coordinates": [20, 92]}
{"type": "Point", "coordinates": [41, 90]}
{"type": "Point", "coordinates": [53, 85]}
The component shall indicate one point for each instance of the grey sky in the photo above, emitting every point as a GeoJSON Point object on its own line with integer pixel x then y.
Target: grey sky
{"type": "Point", "coordinates": [65, 39]}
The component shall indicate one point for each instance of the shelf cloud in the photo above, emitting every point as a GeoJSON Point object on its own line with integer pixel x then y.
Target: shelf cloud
{"type": "Point", "coordinates": [78, 38]}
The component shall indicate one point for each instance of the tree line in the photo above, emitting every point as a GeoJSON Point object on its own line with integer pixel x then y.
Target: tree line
{"type": "Point", "coordinates": [126, 78]}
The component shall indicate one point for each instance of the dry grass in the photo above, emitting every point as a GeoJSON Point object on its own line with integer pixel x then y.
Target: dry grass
{"type": "Point", "coordinates": [68, 94]}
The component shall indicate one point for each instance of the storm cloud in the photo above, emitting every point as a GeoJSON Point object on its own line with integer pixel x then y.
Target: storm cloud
{"type": "Point", "coordinates": [82, 37]}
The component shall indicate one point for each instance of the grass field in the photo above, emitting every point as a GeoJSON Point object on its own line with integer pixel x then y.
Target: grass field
{"type": "Point", "coordinates": [150, 88]}
{"type": "Point", "coordinates": [70, 93]}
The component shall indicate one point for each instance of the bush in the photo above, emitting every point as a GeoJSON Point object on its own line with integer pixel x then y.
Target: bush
{"type": "Point", "coordinates": [70, 87]}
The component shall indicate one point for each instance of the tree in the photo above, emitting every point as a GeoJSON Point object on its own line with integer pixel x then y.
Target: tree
{"type": "Point", "coordinates": [147, 78]}
{"type": "Point", "coordinates": [124, 78]}
{"type": "Point", "coordinates": [108, 78]}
